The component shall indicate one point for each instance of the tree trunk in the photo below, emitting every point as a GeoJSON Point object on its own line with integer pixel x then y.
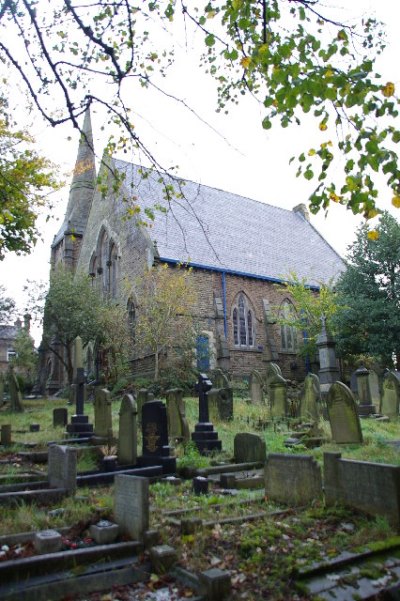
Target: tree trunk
{"type": "Point", "coordinates": [156, 366]}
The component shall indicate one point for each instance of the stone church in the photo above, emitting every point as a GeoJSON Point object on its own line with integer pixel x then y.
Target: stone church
{"type": "Point", "coordinates": [239, 249]}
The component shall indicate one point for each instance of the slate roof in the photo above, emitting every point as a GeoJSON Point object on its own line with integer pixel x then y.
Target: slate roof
{"type": "Point", "coordinates": [225, 231]}
{"type": "Point", "coordinates": [8, 332]}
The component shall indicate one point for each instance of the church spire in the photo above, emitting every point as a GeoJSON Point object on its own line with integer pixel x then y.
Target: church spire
{"type": "Point", "coordinates": [81, 192]}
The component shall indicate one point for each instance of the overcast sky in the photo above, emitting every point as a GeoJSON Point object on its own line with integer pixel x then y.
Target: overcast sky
{"type": "Point", "coordinates": [240, 158]}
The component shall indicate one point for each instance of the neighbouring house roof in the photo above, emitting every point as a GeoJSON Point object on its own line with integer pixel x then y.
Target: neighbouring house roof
{"type": "Point", "coordinates": [225, 231]}
{"type": "Point", "coordinates": [8, 332]}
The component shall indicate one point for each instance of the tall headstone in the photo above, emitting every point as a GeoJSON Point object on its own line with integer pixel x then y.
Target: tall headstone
{"type": "Point", "coordinates": [131, 505]}
{"type": "Point", "coordinates": [102, 413]}
{"type": "Point", "coordinates": [79, 425]}
{"type": "Point", "coordinates": [365, 406]}
{"type": "Point", "coordinates": [328, 370]}
{"type": "Point", "coordinates": [16, 405]}
{"type": "Point", "coordinates": [178, 427]}
{"type": "Point", "coordinates": [256, 388]}
{"type": "Point", "coordinates": [310, 402]}
{"type": "Point", "coordinates": [391, 395]}
{"type": "Point", "coordinates": [156, 450]}
{"type": "Point", "coordinates": [127, 435]}
{"type": "Point", "coordinates": [375, 388]}
{"type": "Point", "coordinates": [142, 397]}
{"type": "Point", "coordinates": [277, 391]}
{"type": "Point", "coordinates": [204, 436]}
{"type": "Point", "coordinates": [62, 463]}
{"type": "Point", "coordinates": [343, 415]}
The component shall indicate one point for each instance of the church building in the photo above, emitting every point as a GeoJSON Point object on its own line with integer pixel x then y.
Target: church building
{"type": "Point", "coordinates": [240, 251]}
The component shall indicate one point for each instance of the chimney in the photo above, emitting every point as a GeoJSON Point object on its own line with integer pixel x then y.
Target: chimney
{"type": "Point", "coordinates": [27, 322]}
{"type": "Point", "coordinates": [302, 210]}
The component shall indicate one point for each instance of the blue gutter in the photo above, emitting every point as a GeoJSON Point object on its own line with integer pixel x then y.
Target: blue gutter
{"type": "Point", "coordinates": [224, 304]}
{"type": "Point", "coordinates": [229, 271]}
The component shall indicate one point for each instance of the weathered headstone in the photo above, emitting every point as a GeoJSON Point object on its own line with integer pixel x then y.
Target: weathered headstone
{"type": "Point", "coordinates": [374, 386]}
{"type": "Point", "coordinates": [310, 402]}
{"type": "Point", "coordinates": [292, 479]}
{"type": "Point", "coordinates": [156, 450]}
{"type": "Point", "coordinates": [256, 388]}
{"type": "Point", "coordinates": [328, 370]}
{"type": "Point", "coordinates": [131, 505]}
{"type": "Point", "coordinates": [178, 427]}
{"type": "Point", "coordinates": [62, 467]}
{"type": "Point", "coordinates": [60, 416]}
{"type": "Point", "coordinates": [6, 434]}
{"type": "Point", "coordinates": [79, 425]}
{"type": "Point", "coordinates": [142, 397]}
{"type": "Point", "coordinates": [220, 379]}
{"type": "Point", "coordinates": [277, 393]}
{"type": "Point", "coordinates": [248, 448]}
{"type": "Point", "coordinates": [220, 404]}
{"type": "Point", "coordinates": [343, 414]}
{"type": "Point", "coordinates": [102, 413]}
{"type": "Point", "coordinates": [127, 435]}
{"type": "Point", "coordinates": [15, 393]}
{"type": "Point", "coordinates": [365, 406]}
{"type": "Point", "coordinates": [391, 395]}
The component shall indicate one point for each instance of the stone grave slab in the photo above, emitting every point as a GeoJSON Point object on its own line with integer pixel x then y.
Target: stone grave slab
{"type": "Point", "coordinates": [343, 415]}
{"type": "Point", "coordinates": [131, 505]}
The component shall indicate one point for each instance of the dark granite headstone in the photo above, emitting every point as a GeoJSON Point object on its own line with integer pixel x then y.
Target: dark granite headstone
{"type": "Point", "coordinates": [60, 417]}
{"type": "Point", "coordinates": [156, 450]}
{"type": "Point", "coordinates": [204, 436]}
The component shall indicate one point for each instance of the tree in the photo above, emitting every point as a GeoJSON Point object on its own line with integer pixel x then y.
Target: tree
{"type": "Point", "coordinates": [25, 181]}
{"type": "Point", "coordinates": [26, 357]}
{"type": "Point", "coordinates": [310, 306]}
{"type": "Point", "coordinates": [7, 306]}
{"type": "Point", "coordinates": [293, 56]}
{"type": "Point", "coordinates": [71, 309]}
{"type": "Point", "coordinates": [369, 294]}
{"type": "Point", "coordinates": [113, 342]}
{"type": "Point", "coordinates": [164, 322]}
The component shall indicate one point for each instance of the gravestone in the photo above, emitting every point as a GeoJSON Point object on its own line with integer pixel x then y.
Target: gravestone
{"type": "Point", "coordinates": [278, 397]}
{"type": "Point", "coordinates": [310, 402]}
{"type": "Point", "coordinates": [60, 417]}
{"type": "Point", "coordinates": [374, 387]}
{"type": "Point", "coordinates": [391, 395]}
{"type": "Point", "coordinates": [16, 405]}
{"type": "Point", "coordinates": [127, 435]}
{"type": "Point", "coordinates": [5, 434]}
{"type": "Point", "coordinates": [248, 448]}
{"type": "Point", "coordinates": [365, 406]}
{"type": "Point", "coordinates": [328, 370]}
{"type": "Point", "coordinates": [61, 470]}
{"type": "Point", "coordinates": [142, 397]}
{"type": "Point", "coordinates": [220, 379]}
{"type": "Point", "coordinates": [343, 415]}
{"type": "Point", "coordinates": [292, 479]}
{"type": "Point", "coordinates": [156, 450]}
{"type": "Point", "coordinates": [220, 404]}
{"type": "Point", "coordinates": [79, 425]}
{"type": "Point", "coordinates": [178, 427]}
{"type": "Point", "coordinates": [102, 413]}
{"type": "Point", "coordinates": [256, 388]}
{"type": "Point", "coordinates": [204, 435]}
{"type": "Point", "coordinates": [131, 505]}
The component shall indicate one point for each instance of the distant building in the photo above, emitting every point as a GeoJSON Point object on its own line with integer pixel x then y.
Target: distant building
{"type": "Point", "coordinates": [239, 249]}
{"type": "Point", "coordinates": [8, 334]}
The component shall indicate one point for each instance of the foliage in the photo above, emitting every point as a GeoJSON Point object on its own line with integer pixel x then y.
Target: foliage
{"type": "Point", "coordinates": [7, 306]}
{"type": "Point", "coordinates": [71, 310]}
{"type": "Point", "coordinates": [26, 179]}
{"type": "Point", "coordinates": [311, 306]}
{"type": "Point", "coordinates": [113, 340]}
{"type": "Point", "coordinates": [164, 322]}
{"type": "Point", "coordinates": [369, 293]}
{"type": "Point", "coordinates": [300, 62]}
{"type": "Point", "coordinates": [26, 357]}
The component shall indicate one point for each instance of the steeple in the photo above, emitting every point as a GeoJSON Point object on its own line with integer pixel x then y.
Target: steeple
{"type": "Point", "coordinates": [80, 195]}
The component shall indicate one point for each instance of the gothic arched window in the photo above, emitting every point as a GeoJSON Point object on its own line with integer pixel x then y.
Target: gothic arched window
{"type": "Point", "coordinates": [288, 332]}
{"type": "Point", "coordinates": [243, 322]}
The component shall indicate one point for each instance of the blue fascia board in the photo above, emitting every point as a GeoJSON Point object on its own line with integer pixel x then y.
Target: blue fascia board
{"type": "Point", "coordinates": [230, 272]}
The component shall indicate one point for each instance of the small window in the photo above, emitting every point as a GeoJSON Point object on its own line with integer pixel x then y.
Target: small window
{"type": "Point", "coordinates": [288, 332]}
{"type": "Point", "coordinates": [11, 355]}
{"type": "Point", "coordinates": [243, 323]}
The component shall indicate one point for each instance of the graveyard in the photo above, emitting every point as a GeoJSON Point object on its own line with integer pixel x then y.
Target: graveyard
{"type": "Point", "coordinates": [223, 493]}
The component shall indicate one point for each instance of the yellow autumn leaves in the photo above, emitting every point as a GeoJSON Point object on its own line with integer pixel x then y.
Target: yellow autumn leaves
{"type": "Point", "coordinates": [388, 89]}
